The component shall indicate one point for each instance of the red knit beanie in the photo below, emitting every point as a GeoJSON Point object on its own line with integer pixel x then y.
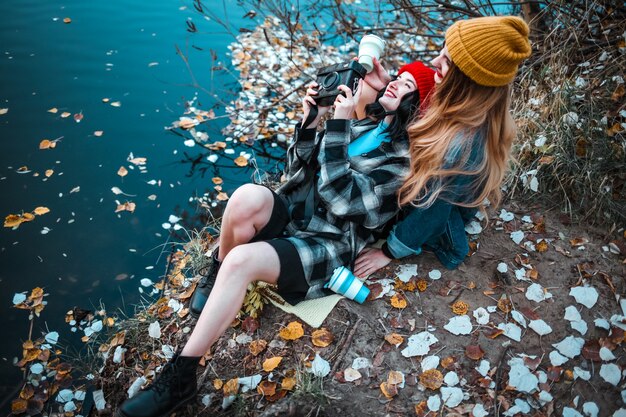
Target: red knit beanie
{"type": "Point", "coordinates": [424, 77]}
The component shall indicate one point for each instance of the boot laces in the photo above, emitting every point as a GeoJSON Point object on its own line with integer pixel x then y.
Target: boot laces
{"type": "Point", "coordinates": [164, 381]}
{"type": "Point", "coordinates": [208, 274]}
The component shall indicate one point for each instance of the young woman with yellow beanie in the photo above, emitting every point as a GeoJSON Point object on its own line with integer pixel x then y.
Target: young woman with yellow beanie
{"type": "Point", "coordinates": [460, 146]}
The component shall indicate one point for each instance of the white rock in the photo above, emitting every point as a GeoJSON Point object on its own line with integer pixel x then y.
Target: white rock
{"type": "Point", "coordinates": [459, 325]}
{"type": "Point", "coordinates": [434, 403]}
{"type": "Point", "coordinates": [451, 396]}
{"type": "Point", "coordinates": [136, 386]}
{"type": "Point", "coordinates": [587, 296]}
{"type": "Point", "coordinates": [517, 236]}
{"type": "Point", "coordinates": [429, 362]}
{"type": "Point", "coordinates": [556, 359]}
{"type": "Point", "coordinates": [590, 409]}
{"type": "Point", "coordinates": [481, 315]}
{"type": "Point", "coordinates": [611, 373]}
{"type": "Point", "coordinates": [570, 346]}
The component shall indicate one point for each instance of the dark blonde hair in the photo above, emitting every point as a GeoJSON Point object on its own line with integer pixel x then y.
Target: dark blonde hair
{"type": "Point", "coordinates": [460, 109]}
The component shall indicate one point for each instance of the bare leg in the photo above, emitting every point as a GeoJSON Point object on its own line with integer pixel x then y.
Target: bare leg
{"type": "Point", "coordinates": [244, 264]}
{"type": "Point", "coordinates": [248, 211]}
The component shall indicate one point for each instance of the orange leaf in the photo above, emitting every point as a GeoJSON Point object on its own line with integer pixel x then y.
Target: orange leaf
{"type": "Point", "coordinates": [460, 307]}
{"type": "Point", "coordinates": [288, 383]}
{"type": "Point", "coordinates": [293, 331]}
{"type": "Point", "coordinates": [46, 144]}
{"type": "Point", "coordinates": [432, 379]}
{"type": "Point", "coordinates": [41, 210]}
{"type": "Point", "coordinates": [218, 383]}
{"type": "Point", "coordinates": [270, 364]}
{"type": "Point", "coordinates": [398, 301]}
{"type": "Point", "coordinates": [231, 387]}
{"type": "Point", "coordinates": [389, 391]}
{"type": "Point", "coordinates": [127, 206]}
{"type": "Point", "coordinates": [504, 304]}
{"type": "Point", "coordinates": [67, 20]}
{"type": "Point", "coordinates": [395, 378]}
{"type": "Point", "coordinates": [217, 180]}
{"type": "Point", "coordinates": [66, 114]}
{"type": "Point", "coordinates": [12, 220]}
{"type": "Point", "coordinates": [257, 346]}
{"type": "Point", "coordinates": [322, 337]}
{"type": "Point", "coordinates": [49, 172]}
{"type": "Point", "coordinates": [98, 133]}
{"type": "Point", "coordinates": [53, 110]}
{"type": "Point", "coordinates": [241, 161]}
{"type": "Point", "coordinates": [140, 160]}
{"type": "Point", "coordinates": [266, 388]}
{"type": "Point", "coordinates": [18, 406]}
{"type": "Point", "coordinates": [422, 285]}
{"type": "Point", "coordinates": [27, 217]}
{"type": "Point", "coordinates": [222, 197]}
{"type": "Point", "coordinates": [394, 339]}
{"type": "Point", "coordinates": [122, 172]}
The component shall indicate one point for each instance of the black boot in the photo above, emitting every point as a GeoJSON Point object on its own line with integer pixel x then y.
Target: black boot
{"type": "Point", "coordinates": [204, 287]}
{"type": "Point", "coordinates": [174, 386]}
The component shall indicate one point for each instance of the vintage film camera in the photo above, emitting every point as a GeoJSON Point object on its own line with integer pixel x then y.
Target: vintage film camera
{"type": "Point", "coordinates": [332, 76]}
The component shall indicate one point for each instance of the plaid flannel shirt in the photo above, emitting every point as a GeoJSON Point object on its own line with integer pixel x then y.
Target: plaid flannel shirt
{"type": "Point", "coordinates": [354, 195]}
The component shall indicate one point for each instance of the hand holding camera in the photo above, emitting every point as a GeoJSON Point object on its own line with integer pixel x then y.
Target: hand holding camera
{"type": "Point", "coordinates": [345, 103]}
{"type": "Point", "coordinates": [308, 101]}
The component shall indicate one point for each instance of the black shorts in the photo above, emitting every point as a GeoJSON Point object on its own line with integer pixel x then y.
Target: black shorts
{"type": "Point", "coordinates": [292, 285]}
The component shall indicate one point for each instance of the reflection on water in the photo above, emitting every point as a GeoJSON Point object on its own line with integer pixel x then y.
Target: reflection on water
{"type": "Point", "coordinates": [115, 80]}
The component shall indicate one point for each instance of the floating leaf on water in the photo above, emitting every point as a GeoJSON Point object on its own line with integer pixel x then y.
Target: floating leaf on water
{"type": "Point", "coordinates": [241, 161]}
{"type": "Point", "coordinates": [47, 144]}
{"type": "Point", "coordinates": [115, 103]}
{"type": "Point", "coordinates": [67, 20]}
{"type": "Point", "coordinates": [127, 206]}
{"type": "Point", "coordinates": [122, 172]}
{"type": "Point", "coordinates": [66, 114]}
{"type": "Point", "coordinates": [53, 110]}
{"type": "Point", "coordinates": [78, 117]}
{"type": "Point", "coordinates": [49, 173]}
{"type": "Point", "coordinates": [98, 133]}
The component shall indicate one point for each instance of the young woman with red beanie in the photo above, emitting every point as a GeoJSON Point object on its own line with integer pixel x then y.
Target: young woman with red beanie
{"type": "Point", "coordinates": [340, 185]}
{"type": "Point", "coordinates": [460, 145]}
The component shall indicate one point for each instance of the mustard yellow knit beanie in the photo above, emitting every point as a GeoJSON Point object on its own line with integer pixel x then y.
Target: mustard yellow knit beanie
{"type": "Point", "coordinates": [489, 49]}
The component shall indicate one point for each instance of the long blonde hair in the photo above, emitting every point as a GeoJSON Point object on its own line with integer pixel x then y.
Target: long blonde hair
{"type": "Point", "coordinates": [460, 110]}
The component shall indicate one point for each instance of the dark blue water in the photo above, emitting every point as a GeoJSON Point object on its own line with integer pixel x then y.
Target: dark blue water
{"type": "Point", "coordinates": [120, 50]}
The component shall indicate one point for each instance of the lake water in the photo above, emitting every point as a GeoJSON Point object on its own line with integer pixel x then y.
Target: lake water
{"type": "Point", "coordinates": [124, 51]}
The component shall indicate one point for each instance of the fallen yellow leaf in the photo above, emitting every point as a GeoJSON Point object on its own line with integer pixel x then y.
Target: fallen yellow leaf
{"type": "Point", "coordinates": [66, 114]}
{"type": "Point", "coordinates": [431, 379]}
{"type": "Point", "coordinates": [322, 337]}
{"type": "Point", "coordinates": [270, 364]}
{"type": "Point", "coordinates": [49, 172]}
{"type": "Point", "coordinates": [288, 383]}
{"type": "Point", "coordinates": [231, 387]}
{"type": "Point", "coordinates": [67, 20]}
{"type": "Point", "coordinates": [12, 220]}
{"type": "Point", "coordinates": [398, 301]}
{"type": "Point", "coordinates": [53, 110]}
{"type": "Point", "coordinates": [394, 339]}
{"type": "Point", "coordinates": [217, 180]}
{"type": "Point", "coordinates": [266, 388]}
{"type": "Point", "coordinates": [293, 331]}
{"type": "Point", "coordinates": [122, 172]}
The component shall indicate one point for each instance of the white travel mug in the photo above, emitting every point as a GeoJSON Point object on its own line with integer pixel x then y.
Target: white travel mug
{"type": "Point", "coordinates": [370, 47]}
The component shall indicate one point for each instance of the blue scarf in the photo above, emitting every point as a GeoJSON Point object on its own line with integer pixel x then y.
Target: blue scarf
{"type": "Point", "coordinates": [369, 141]}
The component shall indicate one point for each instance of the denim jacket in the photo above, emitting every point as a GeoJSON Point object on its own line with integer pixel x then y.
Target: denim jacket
{"type": "Point", "coordinates": [440, 227]}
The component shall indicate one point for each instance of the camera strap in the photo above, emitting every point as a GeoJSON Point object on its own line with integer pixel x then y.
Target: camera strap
{"type": "Point", "coordinates": [389, 113]}
{"type": "Point", "coordinates": [312, 115]}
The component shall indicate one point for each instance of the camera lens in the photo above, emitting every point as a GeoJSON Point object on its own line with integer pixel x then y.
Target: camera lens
{"type": "Point", "coordinates": [330, 81]}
